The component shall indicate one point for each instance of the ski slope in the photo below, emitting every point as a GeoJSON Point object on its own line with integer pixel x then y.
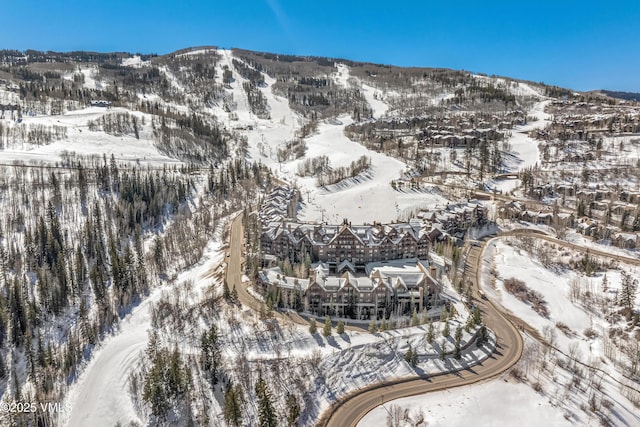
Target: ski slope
{"type": "Point", "coordinates": [367, 198]}
{"type": "Point", "coordinates": [82, 141]}
{"type": "Point", "coordinates": [524, 149]}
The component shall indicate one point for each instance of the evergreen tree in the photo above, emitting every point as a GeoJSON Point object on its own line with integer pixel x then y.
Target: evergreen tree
{"type": "Point", "coordinates": [326, 330]}
{"type": "Point", "coordinates": [446, 330]}
{"type": "Point", "coordinates": [225, 290]}
{"type": "Point", "coordinates": [414, 318]}
{"type": "Point", "coordinates": [3, 368]}
{"type": "Point", "coordinates": [408, 355]}
{"type": "Point", "coordinates": [18, 314]}
{"type": "Point", "coordinates": [443, 349]}
{"type": "Point", "coordinates": [313, 328]}
{"type": "Point", "coordinates": [444, 314]}
{"type": "Point", "coordinates": [232, 412]}
{"type": "Point", "coordinates": [425, 317]}
{"type": "Point", "coordinates": [266, 412]}
{"type": "Point", "coordinates": [458, 338]}
{"type": "Point", "coordinates": [373, 326]}
{"type": "Point", "coordinates": [628, 289]}
{"type": "Point", "coordinates": [15, 385]}
{"type": "Point", "coordinates": [210, 353]}
{"type": "Point", "coordinates": [340, 327]}
{"type": "Point", "coordinates": [430, 333]}
{"type": "Point", "coordinates": [468, 324]}
{"type": "Point", "coordinates": [293, 411]}
{"type": "Point", "coordinates": [477, 317]}
{"type": "Point", "coordinates": [167, 381]}
{"type": "Point", "coordinates": [482, 335]}
{"type": "Point", "coordinates": [605, 284]}
{"type": "Point", "coordinates": [414, 358]}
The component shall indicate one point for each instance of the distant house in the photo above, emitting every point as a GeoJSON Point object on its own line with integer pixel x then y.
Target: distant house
{"type": "Point", "coordinates": [625, 240]}
{"type": "Point", "coordinates": [100, 103]}
{"type": "Point", "coordinates": [565, 219]}
{"type": "Point", "coordinates": [587, 226]}
{"type": "Point", "coordinates": [619, 208]}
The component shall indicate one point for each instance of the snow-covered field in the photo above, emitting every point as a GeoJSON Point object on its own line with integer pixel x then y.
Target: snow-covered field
{"type": "Point", "coordinates": [556, 287]}
{"type": "Point", "coordinates": [494, 403]}
{"type": "Point", "coordinates": [82, 141]}
{"type": "Point", "coordinates": [366, 198]}
{"type": "Point", "coordinates": [578, 323]}
{"type": "Point", "coordinates": [525, 147]}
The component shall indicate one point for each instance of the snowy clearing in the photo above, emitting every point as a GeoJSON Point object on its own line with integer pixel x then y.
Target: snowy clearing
{"type": "Point", "coordinates": [494, 403]}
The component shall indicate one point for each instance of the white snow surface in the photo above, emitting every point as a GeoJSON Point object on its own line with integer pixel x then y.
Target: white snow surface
{"type": "Point", "coordinates": [368, 197]}
{"type": "Point", "coordinates": [84, 142]}
{"type": "Point", "coordinates": [90, 81]}
{"type": "Point", "coordinates": [554, 286]}
{"type": "Point", "coordinates": [524, 146]}
{"type": "Point", "coordinates": [378, 106]}
{"type": "Point", "coordinates": [135, 61]}
{"type": "Point", "coordinates": [495, 403]}
{"type": "Point", "coordinates": [524, 151]}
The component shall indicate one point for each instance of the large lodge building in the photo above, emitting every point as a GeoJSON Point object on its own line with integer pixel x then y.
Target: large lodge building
{"type": "Point", "coordinates": [398, 287]}
{"type": "Point", "coordinates": [346, 246]}
{"type": "Point", "coordinates": [344, 252]}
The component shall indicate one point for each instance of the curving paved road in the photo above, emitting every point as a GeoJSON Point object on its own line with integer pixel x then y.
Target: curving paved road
{"type": "Point", "coordinates": [349, 411]}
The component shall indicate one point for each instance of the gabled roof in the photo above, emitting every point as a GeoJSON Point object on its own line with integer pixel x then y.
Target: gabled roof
{"type": "Point", "coordinates": [344, 265]}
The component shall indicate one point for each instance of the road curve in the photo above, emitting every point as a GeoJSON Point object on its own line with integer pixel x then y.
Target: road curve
{"type": "Point", "coordinates": [349, 410]}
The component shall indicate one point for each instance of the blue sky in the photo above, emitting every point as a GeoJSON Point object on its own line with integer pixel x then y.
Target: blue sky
{"type": "Point", "coordinates": [582, 45]}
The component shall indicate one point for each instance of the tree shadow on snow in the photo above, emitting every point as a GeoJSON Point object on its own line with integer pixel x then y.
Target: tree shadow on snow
{"type": "Point", "coordinates": [318, 339]}
{"type": "Point", "coordinates": [333, 343]}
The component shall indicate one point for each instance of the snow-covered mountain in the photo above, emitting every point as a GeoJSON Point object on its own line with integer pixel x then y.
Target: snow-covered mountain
{"type": "Point", "coordinates": [120, 174]}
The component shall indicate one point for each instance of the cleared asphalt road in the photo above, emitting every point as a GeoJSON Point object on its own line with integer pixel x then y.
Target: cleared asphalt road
{"type": "Point", "coordinates": [234, 265]}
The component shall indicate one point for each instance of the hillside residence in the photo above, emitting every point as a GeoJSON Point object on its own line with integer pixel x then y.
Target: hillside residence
{"type": "Point", "coordinates": [279, 205]}
{"type": "Point", "coordinates": [100, 103]}
{"type": "Point", "coordinates": [456, 218]}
